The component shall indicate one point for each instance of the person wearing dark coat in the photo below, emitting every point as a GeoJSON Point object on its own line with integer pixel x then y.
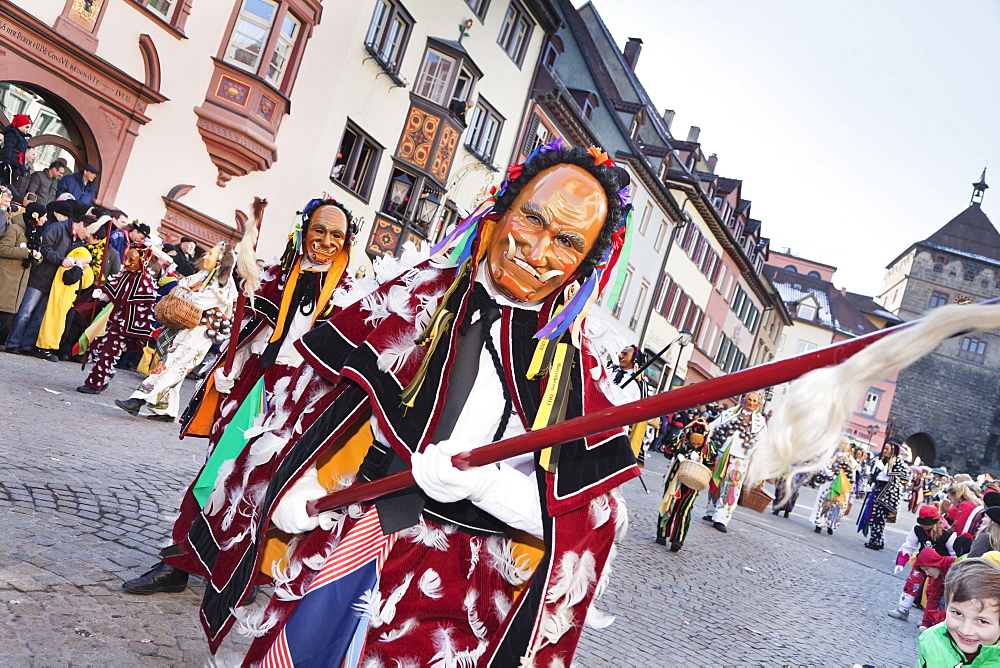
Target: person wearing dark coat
{"type": "Point", "coordinates": [57, 240]}
{"type": "Point", "coordinates": [15, 145]}
{"type": "Point", "coordinates": [44, 183]}
{"type": "Point", "coordinates": [16, 259]}
{"type": "Point", "coordinates": [81, 185]}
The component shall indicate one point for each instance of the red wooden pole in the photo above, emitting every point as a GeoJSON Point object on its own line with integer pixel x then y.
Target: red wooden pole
{"type": "Point", "coordinates": [664, 403]}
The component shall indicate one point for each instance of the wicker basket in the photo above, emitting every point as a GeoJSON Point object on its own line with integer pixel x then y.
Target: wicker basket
{"type": "Point", "coordinates": [176, 311]}
{"type": "Point", "coordinates": [694, 475]}
{"type": "Point", "coordinates": [755, 499]}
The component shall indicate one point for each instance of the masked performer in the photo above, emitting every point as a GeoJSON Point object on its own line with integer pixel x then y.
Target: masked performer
{"type": "Point", "coordinates": [132, 295]}
{"type": "Point", "coordinates": [294, 295]}
{"type": "Point", "coordinates": [833, 495]}
{"type": "Point", "coordinates": [213, 290]}
{"type": "Point", "coordinates": [678, 499]}
{"type": "Point", "coordinates": [435, 572]}
{"type": "Point", "coordinates": [737, 429]}
{"type": "Point", "coordinates": [889, 474]}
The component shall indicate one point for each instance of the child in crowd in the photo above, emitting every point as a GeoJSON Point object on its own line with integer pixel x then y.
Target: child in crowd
{"type": "Point", "coordinates": [971, 630]}
{"type": "Point", "coordinates": [929, 533]}
{"type": "Point", "coordinates": [936, 568]}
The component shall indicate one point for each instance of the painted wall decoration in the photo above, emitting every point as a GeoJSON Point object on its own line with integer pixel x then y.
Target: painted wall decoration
{"type": "Point", "coordinates": [384, 237]}
{"type": "Point", "coordinates": [445, 153]}
{"type": "Point", "coordinates": [233, 90]}
{"type": "Point", "coordinates": [85, 13]}
{"type": "Point", "coordinates": [418, 137]}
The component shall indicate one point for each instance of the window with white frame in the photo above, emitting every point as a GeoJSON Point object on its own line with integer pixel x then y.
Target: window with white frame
{"type": "Point", "coordinates": [617, 310]}
{"type": "Point", "coordinates": [870, 406]}
{"type": "Point", "coordinates": [445, 77]}
{"type": "Point", "coordinates": [646, 214]}
{"type": "Point", "coordinates": [806, 310]}
{"type": "Point", "coordinates": [661, 234]}
{"type": "Point", "coordinates": [640, 304]}
{"type": "Point", "coordinates": [174, 12]}
{"type": "Point", "coordinates": [479, 7]}
{"type": "Point", "coordinates": [484, 131]}
{"type": "Point", "coordinates": [515, 31]}
{"type": "Point", "coordinates": [388, 33]}
{"type": "Point", "coordinates": [263, 39]}
{"type": "Point", "coordinates": [804, 347]}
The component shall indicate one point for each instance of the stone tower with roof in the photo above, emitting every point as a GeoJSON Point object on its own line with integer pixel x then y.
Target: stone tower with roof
{"type": "Point", "coordinates": [947, 405]}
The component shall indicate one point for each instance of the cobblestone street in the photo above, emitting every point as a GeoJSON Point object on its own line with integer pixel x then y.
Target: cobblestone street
{"type": "Point", "coordinates": [87, 495]}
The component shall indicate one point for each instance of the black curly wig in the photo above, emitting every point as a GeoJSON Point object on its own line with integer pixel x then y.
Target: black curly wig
{"type": "Point", "coordinates": [612, 179]}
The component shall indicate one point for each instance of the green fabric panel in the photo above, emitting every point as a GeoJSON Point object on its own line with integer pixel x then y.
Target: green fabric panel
{"type": "Point", "coordinates": [231, 444]}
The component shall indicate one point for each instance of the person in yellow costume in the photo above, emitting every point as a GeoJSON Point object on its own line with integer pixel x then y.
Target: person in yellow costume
{"type": "Point", "coordinates": [68, 280]}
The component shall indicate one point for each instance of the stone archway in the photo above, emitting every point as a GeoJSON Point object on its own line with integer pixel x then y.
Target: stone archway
{"type": "Point", "coordinates": [922, 445]}
{"type": "Point", "coordinates": [59, 131]}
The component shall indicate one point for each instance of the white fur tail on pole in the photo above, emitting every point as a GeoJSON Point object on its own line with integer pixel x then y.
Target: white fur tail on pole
{"type": "Point", "coordinates": [805, 433]}
{"type": "Point", "coordinates": [246, 258]}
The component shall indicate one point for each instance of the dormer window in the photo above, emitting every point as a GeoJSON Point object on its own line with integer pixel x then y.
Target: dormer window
{"type": "Point", "coordinates": [806, 310]}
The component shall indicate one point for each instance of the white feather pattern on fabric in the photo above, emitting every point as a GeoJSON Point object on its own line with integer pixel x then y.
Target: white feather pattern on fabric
{"type": "Point", "coordinates": [475, 544]}
{"type": "Point", "coordinates": [253, 621]}
{"type": "Point", "coordinates": [405, 662]}
{"type": "Point", "coordinates": [448, 657]}
{"type": "Point", "coordinates": [388, 611]}
{"type": "Point", "coordinates": [598, 619]}
{"type": "Point", "coordinates": [217, 498]}
{"type": "Point", "coordinates": [428, 535]}
{"type": "Point", "coordinates": [429, 584]}
{"type": "Point", "coordinates": [602, 582]}
{"type": "Point", "coordinates": [372, 662]}
{"type": "Point", "coordinates": [514, 571]}
{"type": "Point", "coordinates": [600, 511]}
{"type": "Point", "coordinates": [368, 607]}
{"type": "Point", "coordinates": [557, 662]}
{"type": "Point", "coordinates": [394, 356]}
{"type": "Point", "coordinates": [398, 302]}
{"type": "Point", "coordinates": [501, 605]}
{"type": "Point", "coordinates": [807, 430]}
{"type": "Point", "coordinates": [621, 515]}
{"type": "Point", "coordinates": [555, 624]}
{"type": "Point", "coordinates": [377, 308]}
{"type": "Point", "coordinates": [573, 578]}
{"type": "Point", "coordinates": [469, 604]}
{"type": "Point", "coordinates": [398, 632]}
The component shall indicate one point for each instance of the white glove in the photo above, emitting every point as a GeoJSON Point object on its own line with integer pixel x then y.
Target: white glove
{"type": "Point", "coordinates": [290, 516]}
{"type": "Point", "coordinates": [100, 295]}
{"type": "Point", "coordinates": [224, 383]}
{"type": "Point", "coordinates": [897, 570]}
{"type": "Point", "coordinates": [440, 480]}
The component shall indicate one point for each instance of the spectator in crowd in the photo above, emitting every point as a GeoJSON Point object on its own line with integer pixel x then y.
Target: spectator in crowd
{"type": "Point", "coordinates": [988, 538]}
{"type": "Point", "coordinates": [67, 282]}
{"type": "Point", "coordinates": [81, 185]}
{"type": "Point", "coordinates": [184, 255]}
{"type": "Point", "coordinates": [119, 236]}
{"type": "Point", "coordinates": [43, 183]}
{"type": "Point", "coordinates": [15, 145]}
{"type": "Point", "coordinates": [16, 259]}
{"type": "Point", "coordinates": [58, 238]}
{"type": "Point", "coordinates": [19, 185]}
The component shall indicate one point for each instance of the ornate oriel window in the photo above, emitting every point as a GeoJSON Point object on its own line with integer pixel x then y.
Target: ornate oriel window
{"type": "Point", "coordinates": [172, 13]}
{"type": "Point", "coordinates": [254, 73]}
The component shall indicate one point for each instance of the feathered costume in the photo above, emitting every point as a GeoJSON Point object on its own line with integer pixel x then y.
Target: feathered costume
{"type": "Point", "coordinates": [447, 583]}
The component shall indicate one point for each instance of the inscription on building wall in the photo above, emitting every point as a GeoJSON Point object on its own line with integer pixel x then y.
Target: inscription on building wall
{"type": "Point", "coordinates": [19, 37]}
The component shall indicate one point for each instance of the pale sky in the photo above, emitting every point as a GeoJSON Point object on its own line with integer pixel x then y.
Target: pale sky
{"type": "Point", "coordinates": [857, 127]}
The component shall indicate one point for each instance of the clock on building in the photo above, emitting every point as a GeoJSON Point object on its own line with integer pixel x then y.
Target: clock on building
{"type": "Point", "coordinates": [963, 299]}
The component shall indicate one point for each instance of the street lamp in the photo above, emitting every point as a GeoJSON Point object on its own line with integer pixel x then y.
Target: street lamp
{"type": "Point", "coordinates": [428, 207]}
{"type": "Point", "coordinates": [684, 338]}
{"type": "Point", "coordinates": [399, 192]}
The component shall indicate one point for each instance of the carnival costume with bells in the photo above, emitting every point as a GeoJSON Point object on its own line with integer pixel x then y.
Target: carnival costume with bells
{"type": "Point", "coordinates": [433, 580]}
{"type": "Point", "coordinates": [129, 316]}
{"type": "Point", "coordinates": [674, 519]}
{"type": "Point", "coordinates": [214, 291]}
{"type": "Point", "coordinates": [737, 430]}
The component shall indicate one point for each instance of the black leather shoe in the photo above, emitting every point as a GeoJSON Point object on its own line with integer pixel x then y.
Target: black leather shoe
{"type": "Point", "coordinates": [661, 541]}
{"type": "Point", "coordinates": [46, 355]}
{"type": "Point", "coordinates": [675, 546]}
{"type": "Point", "coordinates": [786, 513]}
{"type": "Point", "coordinates": [161, 579]}
{"type": "Point", "coordinates": [160, 418]}
{"type": "Point", "coordinates": [818, 530]}
{"type": "Point", "coordinates": [719, 526]}
{"type": "Point", "coordinates": [131, 406]}
{"type": "Point", "coordinates": [707, 518]}
{"type": "Point", "coordinates": [872, 546]}
{"type": "Point", "coordinates": [775, 511]}
{"type": "Point", "coordinates": [829, 531]}
{"type": "Point", "coordinates": [86, 389]}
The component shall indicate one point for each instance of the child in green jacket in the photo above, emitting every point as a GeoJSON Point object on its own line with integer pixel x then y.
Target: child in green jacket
{"type": "Point", "coordinates": [971, 630]}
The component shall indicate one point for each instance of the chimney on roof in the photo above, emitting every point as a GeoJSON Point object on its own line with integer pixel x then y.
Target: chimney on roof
{"type": "Point", "coordinates": [631, 52]}
{"type": "Point", "coordinates": [713, 160]}
{"type": "Point", "coordinates": [693, 134]}
{"type": "Point", "coordinates": [668, 117]}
